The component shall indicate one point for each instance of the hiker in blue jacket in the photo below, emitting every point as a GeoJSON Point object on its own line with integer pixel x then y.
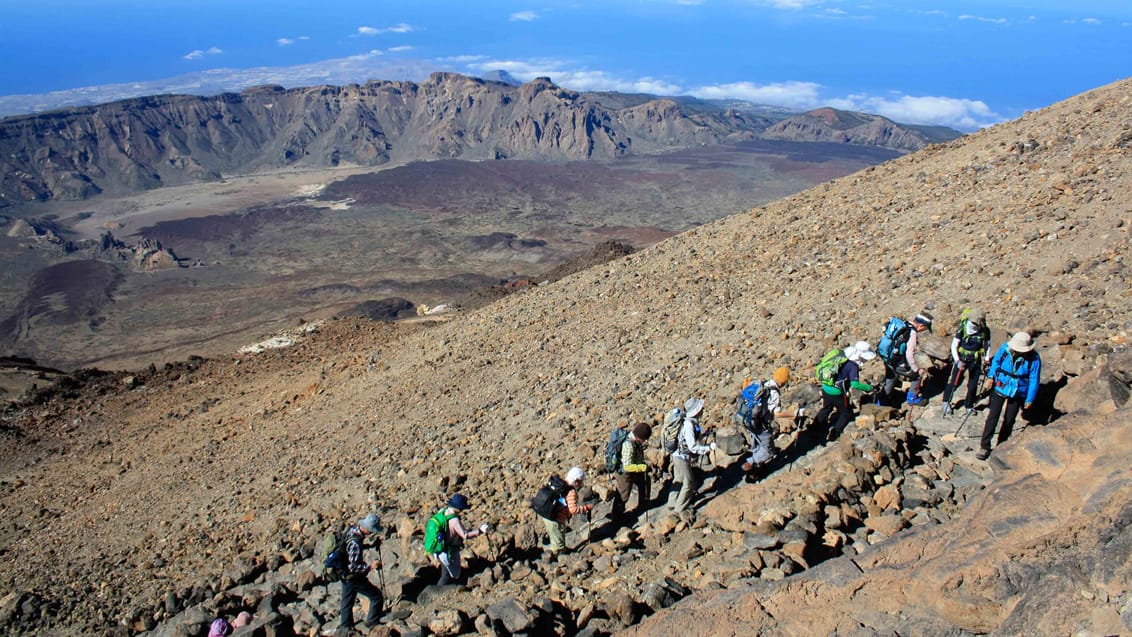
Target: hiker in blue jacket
{"type": "Point", "coordinates": [1014, 374]}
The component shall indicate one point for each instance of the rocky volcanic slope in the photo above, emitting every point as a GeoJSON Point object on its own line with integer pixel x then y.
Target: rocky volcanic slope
{"type": "Point", "coordinates": [158, 141]}
{"type": "Point", "coordinates": [151, 501]}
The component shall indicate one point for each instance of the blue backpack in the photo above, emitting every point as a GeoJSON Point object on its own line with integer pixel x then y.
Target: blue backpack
{"type": "Point", "coordinates": [894, 344]}
{"type": "Point", "coordinates": [750, 406]}
{"type": "Point", "coordinates": [613, 449]}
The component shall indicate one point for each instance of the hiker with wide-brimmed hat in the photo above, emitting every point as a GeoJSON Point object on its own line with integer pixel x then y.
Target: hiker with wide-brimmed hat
{"type": "Point", "coordinates": [1014, 374]}
{"type": "Point", "coordinates": [355, 580]}
{"type": "Point", "coordinates": [689, 451]}
{"type": "Point", "coordinates": [836, 411]}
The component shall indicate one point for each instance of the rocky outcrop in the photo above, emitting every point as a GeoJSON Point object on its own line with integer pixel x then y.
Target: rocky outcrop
{"type": "Point", "coordinates": [844, 127]}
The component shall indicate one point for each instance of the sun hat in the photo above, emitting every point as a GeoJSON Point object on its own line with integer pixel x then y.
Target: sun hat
{"type": "Point", "coordinates": [862, 351]}
{"type": "Point", "coordinates": [782, 376]}
{"type": "Point", "coordinates": [458, 502]}
{"type": "Point", "coordinates": [977, 317]}
{"type": "Point", "coordinates": [575, 474]}
{"type": "Point", "coordinates": [1021, 342]}
{"type": "Point", "coordinates": [370, 524]}
{"type": "Point", "coordinates": [693, 406]}
{"type": "Point", "coordinates": [642, 431]}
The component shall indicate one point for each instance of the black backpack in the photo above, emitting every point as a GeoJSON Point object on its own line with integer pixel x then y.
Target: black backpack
{"type": "Point", "coordinates": [546, 502]}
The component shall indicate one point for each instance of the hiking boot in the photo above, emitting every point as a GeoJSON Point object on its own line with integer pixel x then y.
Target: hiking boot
{"type": "Point", "coordinates": [983, 454]}
{"type": "Point", "coordinates": [947, 409]}
{"type": "Point", "coordinates": [970, 411]}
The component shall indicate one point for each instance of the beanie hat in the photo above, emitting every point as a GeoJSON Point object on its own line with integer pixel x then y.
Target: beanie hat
{"type": "Point", "coordinates": [1021, 342]}
{"type": "Point", "coordinates": [458, 502]}
{"type": "Point", "coordinates": [575, 474]}
{"type": "Point", "coordinates": [781, 376]}
{"type": "Point", "coordinates": [370, 523]}
{"type": "Point", "coordinates": [642, 431]}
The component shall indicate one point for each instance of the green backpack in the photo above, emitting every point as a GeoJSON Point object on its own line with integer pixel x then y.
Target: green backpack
{"type": "Point", "coordinates": [830, 366]}
{"type": "Point", "coordinates": [436, 532]}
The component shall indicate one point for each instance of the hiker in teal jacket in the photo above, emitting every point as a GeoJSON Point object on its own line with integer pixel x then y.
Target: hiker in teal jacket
{"type": "Point", "coordinates": [835, 397]}
{"type": "Point", "coordinates": [1014, 375]}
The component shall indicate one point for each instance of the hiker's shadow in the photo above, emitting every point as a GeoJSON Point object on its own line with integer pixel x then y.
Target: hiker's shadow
{"type": "Point", "coordinates": [1042, 412]}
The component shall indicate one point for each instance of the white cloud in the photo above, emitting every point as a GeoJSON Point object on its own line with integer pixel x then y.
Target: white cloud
{"type": "Point", "coordinates": [523, 16]}
{"type": "Point", "coordinates": [963, 114]}
{"type": "Point", "coordinates": [1091, 21]}
{"type": "Point", "coordinates": [787, 4]}
{"type": "Point", "coordinates": [197, 54]}
{"type": "Point", "coordinates": [372, 53]}
{"type": "Point", "coordinates": [800, 95]}
{"type": "Point", "coordinates": [578, 79]}
{"type": "Point", "coordinates": [370, 31]}
{"type": "Point", "coordinates": [462, 59]}
{"type": "Point", "coordinates": [284, 41]}
{"type": "Point", "coordinates": [982, 19]}
{"type": "Point", "coordinates": [399, 49]}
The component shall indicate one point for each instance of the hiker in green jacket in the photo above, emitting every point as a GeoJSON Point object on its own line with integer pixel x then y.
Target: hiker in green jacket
{"type": "Point", "coordinates": [835, 397]}
{"type": "Point", "coordinates": [634, 473]}
{"type": "Point", "coordinates": [455, 534]}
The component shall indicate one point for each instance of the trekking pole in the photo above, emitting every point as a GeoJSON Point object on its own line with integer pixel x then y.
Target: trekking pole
{"type": "Point", "coordinates": [381, 580]}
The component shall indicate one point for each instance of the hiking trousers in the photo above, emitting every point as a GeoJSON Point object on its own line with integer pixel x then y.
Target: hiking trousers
{"type": "Point", "coordinates": [957, 371]}
{"type": "Point", "coordinates": [837, 408]}
{"type": "Point", "coordinates": [450, 567]}
{"type": "Point", "coordinates": [689, 479]}
{"type": "Point", "coordinates": [351, 588]}
{"type": "Point", "coordinates": [1012, 407]}
{"type": "Point", "coordinates": [625, 484]}
{"type": "Point", "coordinates": [557, 536]}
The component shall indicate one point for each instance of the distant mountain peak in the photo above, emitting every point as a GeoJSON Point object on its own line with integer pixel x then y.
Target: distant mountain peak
{"type": "Point", "coordinates": [501, 76]}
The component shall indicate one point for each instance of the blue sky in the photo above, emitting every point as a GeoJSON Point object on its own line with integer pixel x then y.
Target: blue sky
{"type": "Point", "coordinates": [948, 62]}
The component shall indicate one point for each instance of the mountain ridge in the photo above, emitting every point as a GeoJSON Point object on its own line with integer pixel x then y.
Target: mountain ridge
{"type": "Point", "coordinates": [149, 142]}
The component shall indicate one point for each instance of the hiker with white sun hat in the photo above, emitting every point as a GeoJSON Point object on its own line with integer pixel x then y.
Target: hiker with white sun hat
{"type": "Point", "coordinates": [1013, 376]}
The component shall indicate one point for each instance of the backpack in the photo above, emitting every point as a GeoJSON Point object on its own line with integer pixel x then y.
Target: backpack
{"type": "Point", "coordinates": [436, 532]}
{"type": "Point", "coordinates": [830, 366]}
{"type": "Point", "coordinates": [617, 439]}
{"type": "Point", "coordinates": [970, 345]}
{"type": "Point", "coordinates": [337, 558]}
{"type": "Point", "coordinates": [547, 501]}
{"type": "Point", "coordinates": [750, 406]}
{"type": "Point", "coordinates": [670, 430]}
{"type": "Point", "coordinates": [894, 343]}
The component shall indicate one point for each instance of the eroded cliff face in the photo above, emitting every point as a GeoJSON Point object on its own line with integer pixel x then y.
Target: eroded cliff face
{"type": "Point", "coordinates": [167, 140]}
